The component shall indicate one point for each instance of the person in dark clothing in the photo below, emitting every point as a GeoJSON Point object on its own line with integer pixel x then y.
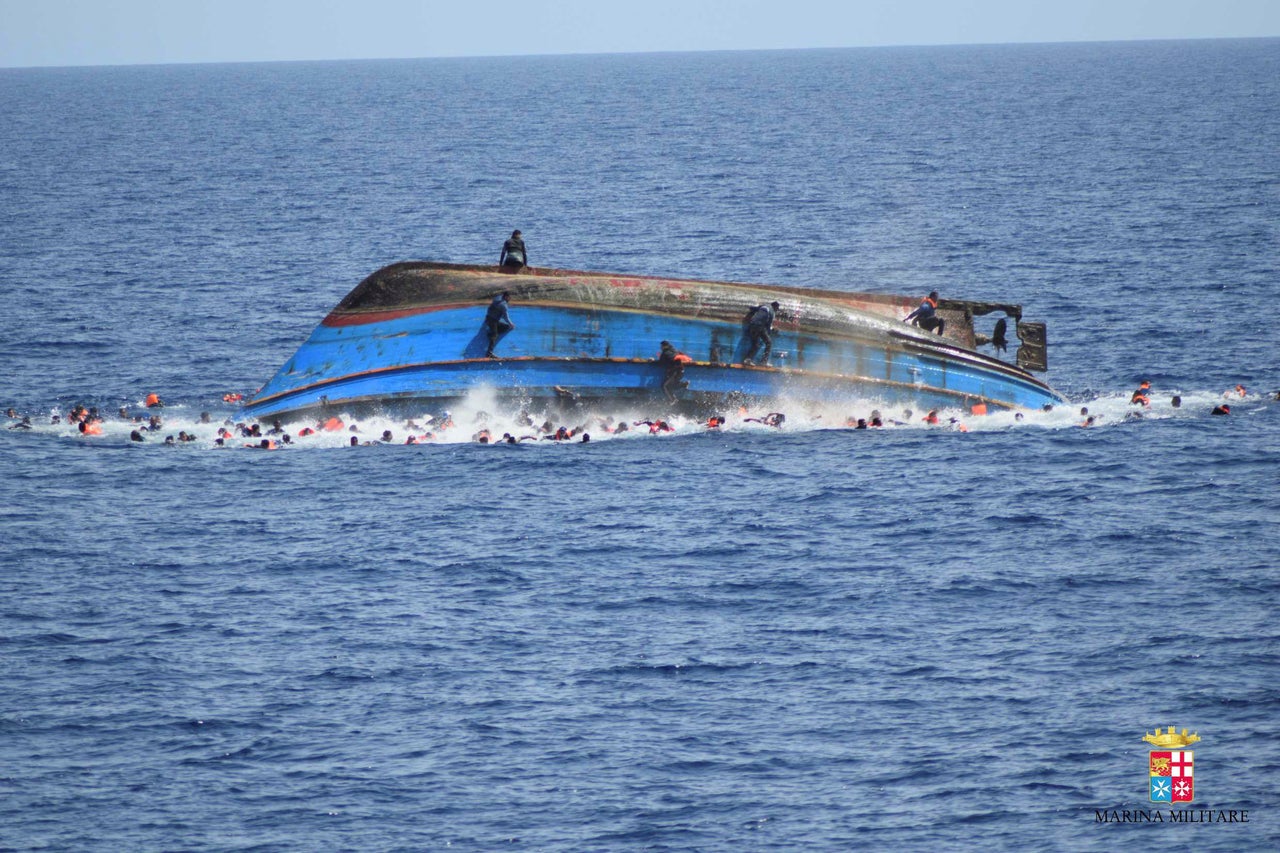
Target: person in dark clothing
{"type": "Point", "coordinates": [759, 322]}
{"type": "Point", "coordinates": [497, 320]}
{"type": "Point", "coordinates": [999, 337]}
{"type": "Point", "coordinates": [514, 256]}
{"type": "Point", "coordinates": [673, 361]}
{"type": "Point", "coordinates": [925, 316]}
{"type": "Point", "coordinates": [773, 419]}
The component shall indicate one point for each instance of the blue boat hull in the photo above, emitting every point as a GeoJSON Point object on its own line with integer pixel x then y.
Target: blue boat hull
{"type": "Point", "coordinates": [414, 339]}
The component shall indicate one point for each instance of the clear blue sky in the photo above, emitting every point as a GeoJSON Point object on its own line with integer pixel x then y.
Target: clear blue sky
{"type": "Point", "coordinates": [113, 32]}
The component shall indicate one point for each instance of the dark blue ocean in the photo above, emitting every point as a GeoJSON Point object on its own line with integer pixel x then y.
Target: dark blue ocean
{"type": "Point", "coordinates": [811, 638]}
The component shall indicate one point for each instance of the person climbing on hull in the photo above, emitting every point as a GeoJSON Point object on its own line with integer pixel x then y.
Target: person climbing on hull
{"type": "Point", "coordinates": [759, 328]}
{"type": "Point", "coordinates": [673, 361]}
{"type": "Point", "coordinates": [497, 320]}
{"type": "Point", "coordinates": [926, 316]}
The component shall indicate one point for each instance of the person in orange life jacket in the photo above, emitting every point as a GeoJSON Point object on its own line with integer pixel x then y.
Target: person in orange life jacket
{"type": "Point", "coordinates": [561, 434]}
{"type": "Point", "coordinates": [514, 256]}
{"type": "Point", "coordinates": [1141, 397]}
{"type": "Point", "coordinates": [656, 426]}
{"type": "Point", "coordinates": [925, 316]}
{"type": "Point", "coordinates": [497, 320]}
{"type": "Point", "coordinates": [674, 362]}
{"type": "Point", "coordinates": [759, 326]}
{"type": "Point", "coordinates": [1223, 409]}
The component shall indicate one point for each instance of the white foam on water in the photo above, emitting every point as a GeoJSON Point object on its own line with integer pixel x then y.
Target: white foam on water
{"type": "Point", "coordinates": [482, 411]}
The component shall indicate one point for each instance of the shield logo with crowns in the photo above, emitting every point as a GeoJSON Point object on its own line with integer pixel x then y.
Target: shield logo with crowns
{"type": "Point", "coordinates": [1171, 769]}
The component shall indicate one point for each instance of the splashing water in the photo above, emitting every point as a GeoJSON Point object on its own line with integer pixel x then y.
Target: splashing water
{"type": "Point", "coordinates": [480, 418]}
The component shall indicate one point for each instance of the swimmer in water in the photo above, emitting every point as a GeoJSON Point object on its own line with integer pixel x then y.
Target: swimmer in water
{"type": "Point", "coordinates": [773, 419]}
{"type": "Point", "coordinates": [1142, 396]}
{"type": "Point", "coordinates": [656, 426]}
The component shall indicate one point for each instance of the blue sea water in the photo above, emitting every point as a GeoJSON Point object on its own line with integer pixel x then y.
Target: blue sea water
{"type": "Point", "coordinates": [808, 638]}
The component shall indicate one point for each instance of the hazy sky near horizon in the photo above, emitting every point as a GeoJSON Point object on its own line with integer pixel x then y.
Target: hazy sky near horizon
{"type": "Point", "coordinates": [123, 32]}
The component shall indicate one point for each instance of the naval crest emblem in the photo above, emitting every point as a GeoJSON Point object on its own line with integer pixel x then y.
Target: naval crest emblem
{"type": "Point", "coordinates": [1171, 769]}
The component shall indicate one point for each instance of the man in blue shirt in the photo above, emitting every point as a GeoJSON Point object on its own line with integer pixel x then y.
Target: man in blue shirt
{"type": "Point", "coordinates": [925, 316]}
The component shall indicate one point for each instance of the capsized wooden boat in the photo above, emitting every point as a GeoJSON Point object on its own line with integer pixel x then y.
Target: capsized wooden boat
{"type": "Point", "coordinates": [411, 337]}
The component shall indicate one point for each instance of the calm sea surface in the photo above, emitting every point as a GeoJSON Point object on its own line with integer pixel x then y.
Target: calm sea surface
{"type": "Point", "coordinates": [807, 639]}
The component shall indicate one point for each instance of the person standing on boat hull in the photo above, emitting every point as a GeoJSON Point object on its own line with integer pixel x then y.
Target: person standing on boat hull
{"type": "Point", "coordinates": [497, 320]}
{"type": "Point", "coordinates": [514, 257]}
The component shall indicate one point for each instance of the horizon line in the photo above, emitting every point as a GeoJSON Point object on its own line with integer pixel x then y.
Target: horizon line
{"type": "Point", "coordinates": [655, 52]}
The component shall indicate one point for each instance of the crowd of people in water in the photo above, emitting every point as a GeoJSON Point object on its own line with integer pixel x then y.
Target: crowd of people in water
{"type": "Point", "coordinates": [149, 427]}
